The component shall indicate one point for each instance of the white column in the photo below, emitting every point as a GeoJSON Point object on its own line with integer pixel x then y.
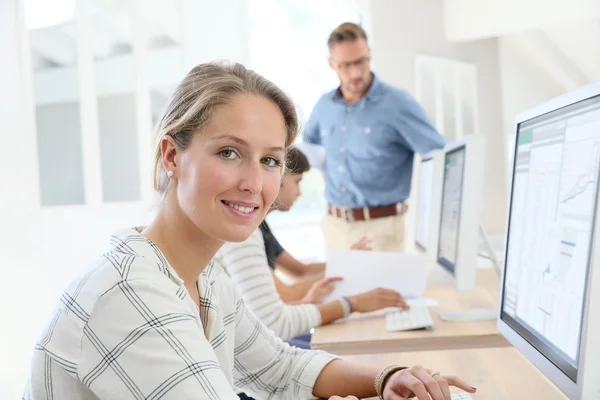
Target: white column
{"type": "Point", "coordinates": [88, 107]}
{"type": "Point", "coordinates": [19, 196]}
{"type": "Point", "coordinates": [20, 189]}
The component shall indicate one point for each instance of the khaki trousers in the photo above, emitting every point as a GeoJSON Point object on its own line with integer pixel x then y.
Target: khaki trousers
{"type": "Point", "coordinates": [386, 234]}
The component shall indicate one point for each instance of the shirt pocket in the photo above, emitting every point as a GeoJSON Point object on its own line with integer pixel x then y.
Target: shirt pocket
{"type": "Point", "coordinates": [375, 140]}
{"type": "Point", "coordinates": [332, 135]}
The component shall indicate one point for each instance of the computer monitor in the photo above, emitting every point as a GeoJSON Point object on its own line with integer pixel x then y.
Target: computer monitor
{"type": "Point", "coordinates": [458, 237]}
{"type": "Point", "coordinates": [550, 294]}
{"type": "Point", "coordinates": [424, 202]}
{"type": "Point", "coordinates": [429, 172]}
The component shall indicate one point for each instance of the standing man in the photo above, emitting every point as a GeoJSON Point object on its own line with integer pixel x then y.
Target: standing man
{"type": "Point", "coordinates": [370, 131]}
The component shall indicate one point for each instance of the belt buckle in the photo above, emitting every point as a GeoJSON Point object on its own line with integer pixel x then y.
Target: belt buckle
{"type": "Point", "coordinates": [366, 213]}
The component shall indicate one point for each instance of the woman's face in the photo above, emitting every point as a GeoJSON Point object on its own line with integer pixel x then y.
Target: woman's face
{"type": "Point", "coordinates": [227, 179]}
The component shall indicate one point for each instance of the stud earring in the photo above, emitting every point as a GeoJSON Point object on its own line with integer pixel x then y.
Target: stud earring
{"type": "Point", "coordinates": [170, 174]}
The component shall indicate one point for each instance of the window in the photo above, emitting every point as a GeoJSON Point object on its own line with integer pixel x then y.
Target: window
{"type": "Point", "coordinates": [288, 45]}
{"type": "Point", "coordinates": [447, 89]}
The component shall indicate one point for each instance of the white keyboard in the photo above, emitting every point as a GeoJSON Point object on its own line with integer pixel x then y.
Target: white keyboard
{"type": "Point", "coordinates": [461, 396]}
{"type": "Point", "coordinates": [418, 317]}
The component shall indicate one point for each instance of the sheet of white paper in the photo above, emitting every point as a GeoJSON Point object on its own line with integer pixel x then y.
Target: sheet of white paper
{"type": "Point", "coordinates": [314, 153]}
{"type": "Point", "coordinates": [366, 270]}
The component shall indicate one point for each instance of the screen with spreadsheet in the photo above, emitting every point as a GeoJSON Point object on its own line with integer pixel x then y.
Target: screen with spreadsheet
{"type": "Point", "coordinates": [550, 229]}
{"type": "Point", "coordinates": [454, 171]}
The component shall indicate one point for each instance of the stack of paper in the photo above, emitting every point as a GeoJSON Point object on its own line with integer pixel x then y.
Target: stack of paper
{"type": "Point", "coordinates": [366, 270]}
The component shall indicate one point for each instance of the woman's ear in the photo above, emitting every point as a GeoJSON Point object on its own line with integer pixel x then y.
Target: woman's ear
{"type": "Point", "coordinates": [168, 150]}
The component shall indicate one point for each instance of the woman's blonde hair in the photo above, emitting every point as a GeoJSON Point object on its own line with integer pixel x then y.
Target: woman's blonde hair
{"type": "Point", "coordinates": [206, 87]}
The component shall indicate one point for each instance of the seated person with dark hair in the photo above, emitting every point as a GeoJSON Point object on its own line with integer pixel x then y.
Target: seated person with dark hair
{"type": "Point", "coordinates": [314, 289]}
{"type": "Point", "coordinates": [286, 309]}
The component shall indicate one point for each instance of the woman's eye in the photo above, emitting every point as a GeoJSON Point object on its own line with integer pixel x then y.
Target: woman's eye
{"type": "Point", "coordinates": [271, 162]}
{"type": "Point", "coordinates": [228, 154]}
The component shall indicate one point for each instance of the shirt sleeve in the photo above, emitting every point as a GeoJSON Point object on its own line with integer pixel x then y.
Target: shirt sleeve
{"type": "Point", "coordinates": [143, 342]}
{"type": "Point", "coordinates": [246, 264]}
{"type": "Point", "coordinates": [312, 131]}
{"type": "Point", "coordinates": [266, 367]}
{"type": "Point", "coordinates": [415, 128]}
{"type": "Point", "coordinates": [277, 246]}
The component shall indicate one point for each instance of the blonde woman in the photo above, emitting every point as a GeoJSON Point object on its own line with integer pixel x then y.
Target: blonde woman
{"type": "Point", "coordinates": [154, 317]}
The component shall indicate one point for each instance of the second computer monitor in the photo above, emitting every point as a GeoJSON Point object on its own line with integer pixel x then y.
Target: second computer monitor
{"type": "Point", "coordinates": [424, 203]}
{"type": "Point", "coordinates": [458, 236]}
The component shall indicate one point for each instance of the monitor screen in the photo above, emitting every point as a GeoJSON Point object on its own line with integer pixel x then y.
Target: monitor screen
{"type": "Point", "coordinates": [424, 202]}
{"type": "Point", "coordinates": [454, 168]}
{"type": "Point", "coordinates": [550, 230]}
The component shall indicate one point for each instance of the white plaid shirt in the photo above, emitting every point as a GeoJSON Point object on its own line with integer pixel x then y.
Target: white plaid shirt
{"type": "Point", "coordinates": [128, 329]}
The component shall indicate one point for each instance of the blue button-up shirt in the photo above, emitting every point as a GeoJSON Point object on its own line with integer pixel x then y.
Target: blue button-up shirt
{"type": "Point", "coordinates": [369, 145]}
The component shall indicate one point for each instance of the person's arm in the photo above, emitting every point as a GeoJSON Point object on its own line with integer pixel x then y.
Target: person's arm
{"type": "Point", "coordinates": [343, 378]}
{"type": "Point", "coordinates": [312, 131]}
{"type": "Point", "coordinates": [246, 264]}
{"type": "Point", "coordinates": [293, 294]}
{"type": "Point", "coordinates": [291, 264]}
{"type": "Point", "coordinates": [414, 126]}
{"type": "Point", "coordinates": [265, 367]}
{"type": "Point", "coordinates": [142, 341]}
{"type": "Point", "coordinates": [312, 142]}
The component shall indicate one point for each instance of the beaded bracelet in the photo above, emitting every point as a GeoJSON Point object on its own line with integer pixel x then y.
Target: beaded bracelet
{"type": "Point", "coordinates": [383, 375]}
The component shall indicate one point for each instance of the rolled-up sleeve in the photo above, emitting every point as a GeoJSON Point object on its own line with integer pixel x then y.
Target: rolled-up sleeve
{"type": "Point", "coordinates": [265, 365]}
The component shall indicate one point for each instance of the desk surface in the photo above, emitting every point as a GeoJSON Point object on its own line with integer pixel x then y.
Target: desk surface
{"type": "Point", "coordinates": [366, 334]}
{"type": "Point", "coordinates": [498, 374]}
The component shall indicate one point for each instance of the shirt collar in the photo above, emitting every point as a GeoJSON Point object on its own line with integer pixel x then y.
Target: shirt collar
{"type": "Point", "coordinates": [370, 95]}
{"type": "Point", "coordinates": [132, 242]}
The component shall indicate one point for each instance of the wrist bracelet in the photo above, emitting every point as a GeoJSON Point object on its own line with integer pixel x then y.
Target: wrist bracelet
{"type": "Point", "coordinates": [346, 306]}
{"type": "Point", "coordinates": [383, 375]}
{"type": "Point", "coordinates": [349, 304]}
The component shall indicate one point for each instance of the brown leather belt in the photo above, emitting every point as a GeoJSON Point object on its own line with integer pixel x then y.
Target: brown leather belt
{"type": "Point", "coordinates": [367, 213]}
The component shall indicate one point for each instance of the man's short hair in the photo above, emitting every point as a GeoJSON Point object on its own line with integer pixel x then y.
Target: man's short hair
{"type": "Point", "coordinates": [346, 32]}
{"type": "Point", "coordinates": [296, 162]}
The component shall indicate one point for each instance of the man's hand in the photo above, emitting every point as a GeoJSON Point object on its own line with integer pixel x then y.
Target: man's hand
{"type": "Point", "coordinates": [362, 244]}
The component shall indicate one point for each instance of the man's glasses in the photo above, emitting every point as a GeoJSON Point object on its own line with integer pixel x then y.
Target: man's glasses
{"type": "Point", "coordinates": [361, 63]}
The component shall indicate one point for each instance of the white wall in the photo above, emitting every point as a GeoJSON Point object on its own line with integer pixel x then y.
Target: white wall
{"type": "Point", "coordinates": [403, 29]}
{"type": "Point", "coordinates": [489, 18]}
{"type": "Point", "coordinates": [523, 86]}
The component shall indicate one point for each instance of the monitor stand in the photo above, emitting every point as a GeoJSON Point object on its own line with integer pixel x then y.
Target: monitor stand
{"type": "Point", "coordinates": [469, 314]}
{"type": "Point", "coordinates": [491, 253]}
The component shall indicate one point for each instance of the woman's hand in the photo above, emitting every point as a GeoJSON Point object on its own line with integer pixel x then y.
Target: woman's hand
{"type": "Point", "coordinates": [320, 289]}
{"type": "Point", "coordinates": [343, 398]}
{"type": "Point", "coordinates": [423, 384]}
{"type": "Point", "coordinates": [362, 244]}
{"type": "Point", "coordinates": [377, 299]}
